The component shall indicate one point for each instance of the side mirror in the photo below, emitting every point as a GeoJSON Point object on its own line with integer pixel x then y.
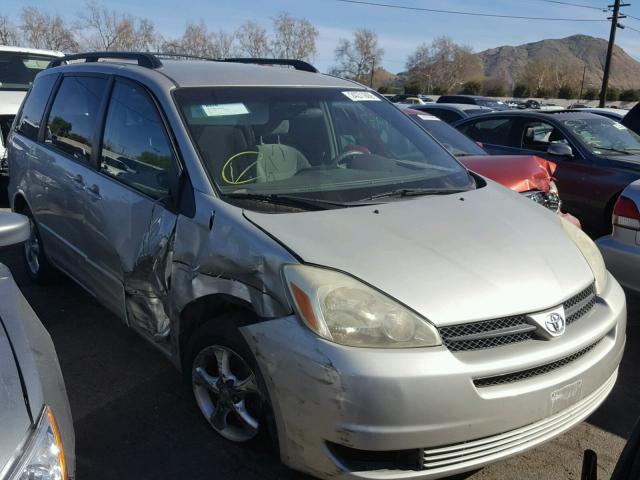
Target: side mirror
{"type": "Point", "coordinates": [560, 150]}
{"type": "Point", "coordinates": [14, 228]}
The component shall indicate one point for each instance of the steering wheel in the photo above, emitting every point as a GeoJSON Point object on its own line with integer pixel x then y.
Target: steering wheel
{"type": "Point", "coordinates": [231, 177]}
{"type": "Point", "coordinates": [351, 151]}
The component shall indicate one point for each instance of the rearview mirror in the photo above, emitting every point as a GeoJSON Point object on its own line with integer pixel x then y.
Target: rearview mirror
{"type": "Point", "coordinates": [560, 150]}
{"type": "Point", "coordinates": [14, 228]}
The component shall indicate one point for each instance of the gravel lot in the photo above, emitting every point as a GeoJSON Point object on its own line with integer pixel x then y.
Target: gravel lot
{"type": "Point", "coordinates": [134, 416]}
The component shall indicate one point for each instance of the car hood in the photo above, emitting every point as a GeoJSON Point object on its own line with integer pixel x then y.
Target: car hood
{"type": "Point", "coordinates": [483, 254]}
{"type": "Point", "coordinates": [10, 101]}
{"type": "Point", "coordinates": [520, 173]}
{"type": "Point", "coordinates": [14, 417]}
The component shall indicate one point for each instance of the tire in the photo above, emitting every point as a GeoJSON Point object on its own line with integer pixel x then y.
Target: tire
{"type": "Point", "coordinates": [36, 264]}
{"type": "Point", "coordinates": [243, 403]}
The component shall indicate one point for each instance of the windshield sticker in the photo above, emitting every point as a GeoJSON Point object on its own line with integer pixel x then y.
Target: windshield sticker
{"type": "Point", "coordinates": [428, 117]}
{"type": "Point", "coordinates": [361, 96]}
{"type": "Point", "coordinates": [225, 109]}
{"type": "Point", "coordinates": [619, 126]}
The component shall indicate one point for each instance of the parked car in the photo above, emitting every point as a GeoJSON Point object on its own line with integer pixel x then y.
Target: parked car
{"type": "Point", "coordinates": [403, 97]}
{"type": "Point", "coordinates": [527, 174]}
{"type": "Point", "coordinates": [318, 267]}
{"type": "Point", "coordinates": [36, 439]}
{"type": "Point", "coordinates": [18, 67]}
{"type": "Point", "coordinates": [491, 103]}
{"type": "Point", "coordinates": [451, 113]}
{"type": "Point", "coordinates": [596, 157]}
{"type": "Point", "coordinates": [621, 249]}
{"type": "Point", "coordinates": [411, 101]}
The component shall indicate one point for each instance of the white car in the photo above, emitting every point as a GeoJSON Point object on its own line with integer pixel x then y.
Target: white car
{"type": "Point", "coordinates": [18, 68]}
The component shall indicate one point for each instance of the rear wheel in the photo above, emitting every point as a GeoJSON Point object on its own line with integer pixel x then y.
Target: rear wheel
{"type": "Point", "coordinates": [35, 261]}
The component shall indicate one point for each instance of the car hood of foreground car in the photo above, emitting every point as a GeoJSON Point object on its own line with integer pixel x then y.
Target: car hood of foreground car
{"type": "Point", "coordinates": [14, 418]}
{"type": "Point", "coordinates": [517, 172]}
{"type": "Point", "coordinates": [482, 254]}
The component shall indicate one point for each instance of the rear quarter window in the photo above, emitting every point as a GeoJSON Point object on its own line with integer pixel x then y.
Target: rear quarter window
{"type": "Point", "coordinates": [494, 131]}
{"type": "Point", "coordinates": [28, 123]}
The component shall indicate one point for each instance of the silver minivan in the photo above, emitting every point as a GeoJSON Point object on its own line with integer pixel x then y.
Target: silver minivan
{"type": "Point", "coordinates": [321, 269]}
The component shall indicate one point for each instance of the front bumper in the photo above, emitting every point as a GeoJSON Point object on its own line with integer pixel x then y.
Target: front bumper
{"type": "Point", "coordinates": [329, 399]}
{"type": "Point", "coordinates": [622, 256]}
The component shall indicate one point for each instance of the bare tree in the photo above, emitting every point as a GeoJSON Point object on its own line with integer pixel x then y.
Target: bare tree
{"type": "Point", "coordinates": [253, 40]}
{"type": "Point", "coordinates": [224, 44]}
{"type": "Point", "coordinates": [443, 64]}
{"type": "Point", "coordinates": [198, 41]}
{"type": "Point", "coordinates": [357, 58]}
{"type": "Point", "coordinates": [42, 30]}
{"type": "Point", "coordinates": [8, 33]}
{"type": "Point", "coordinates": [111, 30]}
{"type": "Point", "coordinates": [293, 38]}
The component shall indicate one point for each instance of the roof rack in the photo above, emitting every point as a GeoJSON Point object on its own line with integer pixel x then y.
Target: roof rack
{"type": "Point", "coordinates": [297, 64]}
{"type": "Point", "coordinates": [147, 60]}
{"type": "Point", "coordinates": [151, 60]}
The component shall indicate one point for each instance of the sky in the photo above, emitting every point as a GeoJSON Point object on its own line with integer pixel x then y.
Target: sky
{"type": "Point", "coordinates": [399, 31]}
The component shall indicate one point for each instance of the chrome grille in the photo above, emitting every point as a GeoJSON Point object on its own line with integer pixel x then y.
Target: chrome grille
{"type": "Point", "coordinates": [503, 331]}
{"type": "Point", "coordinates": [532, 372]}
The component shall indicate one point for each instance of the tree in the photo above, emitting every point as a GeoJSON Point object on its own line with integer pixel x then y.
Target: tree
{"type": "Point", "coordinates": [567, 92]}
{"type": "Point", "coordinates": [520, 91]}
{"type": "Point", "coordinates": [293, 38]}
{"type": "Point", "coordinates": [199, 42]}
{"type": "Point", "coordinates": [494, 87]}
{"type": "Point", "coordinates": [253, 40]}
{"type": "Point", "coordinates": [629, 95]}
{"type": "Point", "coordinates": [443, 64]}
{"type": "Point", "coordinates": [358, 58]}
{"type": "Point", "coordinates": [472, 87]}
{"type": "Point", "coordinates": [536, 77]}
{"type": "Point", "coordinates": [45, 31]}
{"type": "Point", "coordinates": [384, 89]}
{"type": "Point", "coordinates": [8, 33]}
{"type": "Point", "coordinates": [613, 94]}
{"type": "Point", "coordinates": [111, 30]}
{"type": "Point", "coordinates": [591, 94]}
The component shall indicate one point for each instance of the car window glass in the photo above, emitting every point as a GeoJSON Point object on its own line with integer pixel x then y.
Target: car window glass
{"type": "Point", "coordinates": [29, 122]}
{"type": "Point", "coordinates": [74, 116]}
{"type": "Point", "coordinates": [135, 148]}
{"type": "Point", "coordinates": [538, 135]}
{"type": "Point", "coordinates": [491, 131]}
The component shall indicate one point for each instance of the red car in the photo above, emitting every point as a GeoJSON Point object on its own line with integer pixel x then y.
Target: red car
{"type": "Point", "coordinates": [527, 174]}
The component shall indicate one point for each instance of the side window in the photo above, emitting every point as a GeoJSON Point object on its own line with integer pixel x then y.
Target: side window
{"type": "Point", "coordinates": [491, 131]}
{"type": "Point", "coordinates": [74, 116]}
{"type": "Point", "coordinates": [29, 122]}
{"type": "Point", "coordinates": [538, 135]}
{"type": "Point", "coordinates": [135, 147]}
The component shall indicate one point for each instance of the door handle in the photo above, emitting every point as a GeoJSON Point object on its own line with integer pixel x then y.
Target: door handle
{"type": "Point", "coordinates": [78, 179]}
{"type": "Point", "coordinates": [94, 191]}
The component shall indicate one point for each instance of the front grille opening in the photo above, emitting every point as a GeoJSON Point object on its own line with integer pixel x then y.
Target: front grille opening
{"type": "Point", "coordinates": [367, 460]}
{"type": "Point", "coordinates": [504, 331]}
{"type": "Point", "coordinates": [533, 372]}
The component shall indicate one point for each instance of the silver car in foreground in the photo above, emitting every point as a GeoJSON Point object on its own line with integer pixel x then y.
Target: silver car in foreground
{"type": "Point", "coordinates": [621, 249]}
{"type": "Point", "coordinates": [320, 268]}
{"type": "Point", "coordinates": [36, 432]}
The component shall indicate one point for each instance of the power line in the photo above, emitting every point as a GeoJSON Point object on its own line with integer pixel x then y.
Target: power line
{"type": "Point", "coordinates": [591, 7]}
{"type": "Point", "coordinates": [474, 14]}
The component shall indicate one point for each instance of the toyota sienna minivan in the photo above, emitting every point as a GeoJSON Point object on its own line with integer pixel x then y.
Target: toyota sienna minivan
{"type": "Point", "coordinates": [320, 268]}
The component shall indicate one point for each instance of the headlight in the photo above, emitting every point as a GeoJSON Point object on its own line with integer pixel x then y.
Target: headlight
{"type": "Point", "coordinates": [343, 310]}
{"type": "Point", "coordinates": [590, 252]}
{"type": "Point", "coordinates": [43, 458]}
{"type": "Point", "coordinates": [549, 199]}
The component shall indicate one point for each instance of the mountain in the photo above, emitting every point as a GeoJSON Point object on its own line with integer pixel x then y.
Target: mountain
{"type": "Point", "coordinates": [576, 51]}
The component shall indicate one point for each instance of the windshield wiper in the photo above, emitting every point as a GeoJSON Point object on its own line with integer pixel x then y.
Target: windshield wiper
{"type": "Point", "coordinates": [289, 200]}
{"type": "Point", "coordinates": [617, 150]}
{"type": "Point", "coordinates": [414, 192]}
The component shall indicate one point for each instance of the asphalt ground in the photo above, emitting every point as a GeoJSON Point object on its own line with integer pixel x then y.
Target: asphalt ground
{"type": "Point", "coordinates": [135, 418]}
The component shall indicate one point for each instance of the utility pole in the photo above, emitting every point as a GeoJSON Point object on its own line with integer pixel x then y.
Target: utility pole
{"type": "Point", "coordinates": [582, 84]}
{"type": "Point", "coordinates": [373, 69]}
{"type": "Point", "coordinates": [612, 40]}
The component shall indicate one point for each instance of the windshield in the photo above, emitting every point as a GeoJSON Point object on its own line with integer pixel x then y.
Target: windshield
{"type": "Point", "coordinates": [453, 140]}
{"type": "Point", "coordinates": [17, 69]}
{"type": "Point", "coordinates": [493, 104]}
{"type": "Point", "coordinates": [603, 136]}
{"type": "Point", "coordinates": [321, 143]}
